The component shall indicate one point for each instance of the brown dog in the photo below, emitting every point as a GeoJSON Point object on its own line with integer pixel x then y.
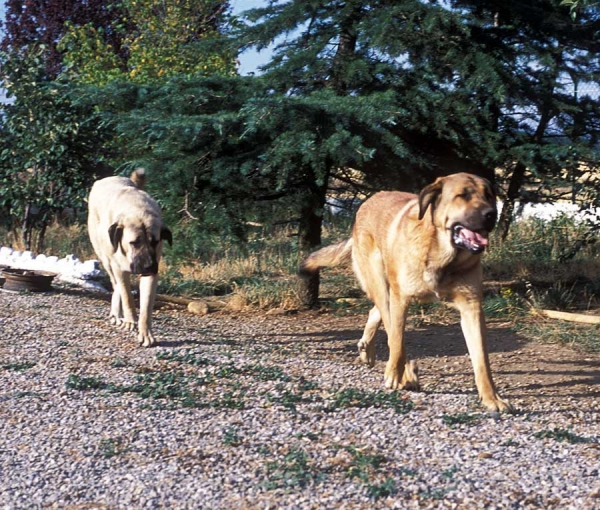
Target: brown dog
{"type": "Point", "coordinates": [126, 229]}
{"type": "Point", "coordinates": [401, 252]}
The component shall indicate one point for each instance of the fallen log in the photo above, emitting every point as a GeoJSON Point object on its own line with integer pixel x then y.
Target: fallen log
{"type": "Point", "coordinates": [174, 299]}
{"type": "Point", "coordinates": [571, 317]}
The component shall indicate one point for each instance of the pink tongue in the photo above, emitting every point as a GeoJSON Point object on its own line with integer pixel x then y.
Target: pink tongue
{"type": "Point", "coordinates": [474, 237]}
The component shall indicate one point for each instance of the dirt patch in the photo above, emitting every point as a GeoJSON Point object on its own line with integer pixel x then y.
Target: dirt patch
{"type": "Point", "coordinates": [527, 371]}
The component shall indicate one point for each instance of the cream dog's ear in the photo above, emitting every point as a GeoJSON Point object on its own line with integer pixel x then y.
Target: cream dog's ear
{"type": "Point", "coordinates": [115, 234]}
{"type": "Point", "coordinates": [166, 235]}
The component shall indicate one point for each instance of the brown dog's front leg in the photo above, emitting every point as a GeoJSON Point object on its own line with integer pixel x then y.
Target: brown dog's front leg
{"type": "Point", "coordinates": [472, 322]}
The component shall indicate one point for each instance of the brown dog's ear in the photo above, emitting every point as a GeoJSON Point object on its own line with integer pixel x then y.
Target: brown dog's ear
{"type": "Point", "coordinates": [115, 234]}
{"type": "Point", "coordinates": [166, 235]}
{"type": "Point", "coordinates": [490, 189]}
{"type": "Point", "coordinates": [428, 196]}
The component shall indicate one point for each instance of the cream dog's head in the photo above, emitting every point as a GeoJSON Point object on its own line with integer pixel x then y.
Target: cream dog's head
{"type": "Point", "coordinates": [464, 205]}
{"type": "Point", "coordinates": [140, 242]}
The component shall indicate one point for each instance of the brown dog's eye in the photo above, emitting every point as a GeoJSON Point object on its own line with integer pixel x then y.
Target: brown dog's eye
{"type": "Point", "coordinates": [135, 243]}
{"type": "Point", "coordinates": [465, 195]}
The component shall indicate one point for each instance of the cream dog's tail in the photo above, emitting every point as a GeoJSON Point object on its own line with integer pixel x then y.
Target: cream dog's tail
{"type": "Point", "coordinates": [138, 176]}
{"type": "Point", "coordinates": [333, 255]}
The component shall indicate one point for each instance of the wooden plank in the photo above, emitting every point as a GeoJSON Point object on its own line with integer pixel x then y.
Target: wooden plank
{"type": "Point", "coordinates": [572, 317]}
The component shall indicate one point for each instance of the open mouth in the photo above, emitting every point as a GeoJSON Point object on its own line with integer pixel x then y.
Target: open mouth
{"type": "Point", "coordinates": [468, 240]}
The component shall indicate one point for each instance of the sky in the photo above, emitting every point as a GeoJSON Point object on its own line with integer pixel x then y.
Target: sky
{"type": "Point", "coordinates": [250, 60]}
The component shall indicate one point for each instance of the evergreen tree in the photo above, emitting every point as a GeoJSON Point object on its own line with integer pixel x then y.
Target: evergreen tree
{"type": "Point", "coordinates": [373, 94]}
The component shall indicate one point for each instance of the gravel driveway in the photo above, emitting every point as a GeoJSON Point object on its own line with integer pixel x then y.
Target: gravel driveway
{"type": "Point", "coordinates": [267, 411]}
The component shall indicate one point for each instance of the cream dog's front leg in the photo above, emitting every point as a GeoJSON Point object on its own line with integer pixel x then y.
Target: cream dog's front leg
{"type": "Point", "coordinates": [148, 285]}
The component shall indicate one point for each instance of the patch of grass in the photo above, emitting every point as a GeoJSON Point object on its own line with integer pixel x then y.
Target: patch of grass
{"type": "Point", "coordinates": [559, 296]}
{"type": "Point", "coordinates": [582, 336]}
{"type": "Point", "coordinates": [172, 386]}
{"type": "Point", "coordinates": [354, 397]}
{"type": "Point", "coordinates": [260, 372]}
{"type": "Point", "coordinates": [118, 363]}
{"type": "Point", "coordinates": [534, 250]}
{"type": "Point", "coordinates": [23, 394]}
{"type": "Point", "coordinates": [75, 382]}
{"type": "Point", "coordinates": [292, 472]}
{"type": "Point", "coordinates": [384, 489]}
{"type": "Point", "coordinates": [288, 399]}
{"type": "Point", "coordinates": [185, 356]}
{"type": "Point", "coordinates": [505, 303]}
{"type": "Point", "coordinates": [562, 435]}
{"type": "Point", "coordinates": [231, 437]}
{"type": "Point", "coordinates": [450, 472]}
{"type": "Point", "coordinates": [363, 464]}
{"type": "Point", "coordinates": [461, 419]}
{"type": "Point", "coordinates": [19, 366]}
{"type": "Point", "coordinates": [229, 400]}
{"type": "Point", "coordinates": [109, 448]}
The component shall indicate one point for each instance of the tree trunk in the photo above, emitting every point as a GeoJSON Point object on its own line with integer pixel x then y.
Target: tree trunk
{"type": "Point", "coordinates": [26, 228]}
{"type": "Point", "coordinates": [309, 238]}
{"type": "Point", "coordinates": [41, 241]}
{"type": "Point", "coordinates": [514, 189]}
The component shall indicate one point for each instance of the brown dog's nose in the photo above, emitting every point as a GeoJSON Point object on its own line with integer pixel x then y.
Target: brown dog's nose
{"type": "Point", "coordinates": [489, 218]}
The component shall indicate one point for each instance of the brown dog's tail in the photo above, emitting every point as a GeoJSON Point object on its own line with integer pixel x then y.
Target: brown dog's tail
{"type": "Point", "coordinates": [333, 255]}
{"type": "Point", "coordinates": [138, 176]}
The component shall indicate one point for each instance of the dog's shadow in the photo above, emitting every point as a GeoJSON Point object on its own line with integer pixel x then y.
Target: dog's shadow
{"type": "Point", "coordinates": [523, 372]}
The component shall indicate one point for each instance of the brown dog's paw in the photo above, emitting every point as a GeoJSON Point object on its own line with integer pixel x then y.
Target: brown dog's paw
{"type": "Point", "coordinates": [410, 378]}
{"type": "Point", "coordinates": [366, 353]}
{"type": "Point", "coordinates": [498, 405]}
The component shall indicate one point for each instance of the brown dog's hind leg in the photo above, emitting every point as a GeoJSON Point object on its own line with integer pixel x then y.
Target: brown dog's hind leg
{"type": "Point", "coordinates": [399, 372]}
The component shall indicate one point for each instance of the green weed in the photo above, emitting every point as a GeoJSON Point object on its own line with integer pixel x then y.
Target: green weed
{"type": "Point", "coordinates": [353, 397]}
{"type": "Point", "coordinates": [186, 357]}
{"type": "Point", "coordinates": [292, 472]}
{"type": "Point", "coordinates": [231, 437]}
{"type": "Point", "coordinates": [382, 490]}
{"type": "Point", "coordinates": [75, 382]}
{"type": "Point", "coordinates": [562, 435]}
{"type": "Point", "coordinates": [363, 464]}
{"type": "Point", "coordinates": [20, 366]}
{"type": "Point", "coordinates": [461, 419]}
{"type": "Point", "coordinates": [109, 448]}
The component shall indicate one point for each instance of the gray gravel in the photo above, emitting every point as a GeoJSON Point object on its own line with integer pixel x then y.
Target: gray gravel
{"type": "Point", "coordinates": [269, 411]}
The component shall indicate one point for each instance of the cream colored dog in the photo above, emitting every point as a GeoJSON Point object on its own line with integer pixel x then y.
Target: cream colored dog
{"type": "Point", "coordinates": [401, 252]}
{"type": "Point", "coordinates": [126, 229]}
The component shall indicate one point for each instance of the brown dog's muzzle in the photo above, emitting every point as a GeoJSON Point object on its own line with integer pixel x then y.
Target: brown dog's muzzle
{"type": "Point", "coordinates": [474, 236]}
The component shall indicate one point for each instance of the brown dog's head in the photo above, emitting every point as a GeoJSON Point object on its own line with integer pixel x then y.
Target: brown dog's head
{"type": "Point", "coordinates": [465, 206]}
{"type": "Point", "coordinates": [140, 243]}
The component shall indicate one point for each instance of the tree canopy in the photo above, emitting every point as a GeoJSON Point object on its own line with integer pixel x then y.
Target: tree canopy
{"type": "Point", "coordinates": [359, 95]}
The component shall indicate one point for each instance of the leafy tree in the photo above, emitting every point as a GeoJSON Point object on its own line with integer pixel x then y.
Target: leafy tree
{"type": "Point", "coordinates": [159, 39]}
{"type": "Point", "coordinates": [47, 145]}
{"type": "Point", "coordinates": [42, 25]}
{"type": "Point", "coordinates": [139, 40]}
